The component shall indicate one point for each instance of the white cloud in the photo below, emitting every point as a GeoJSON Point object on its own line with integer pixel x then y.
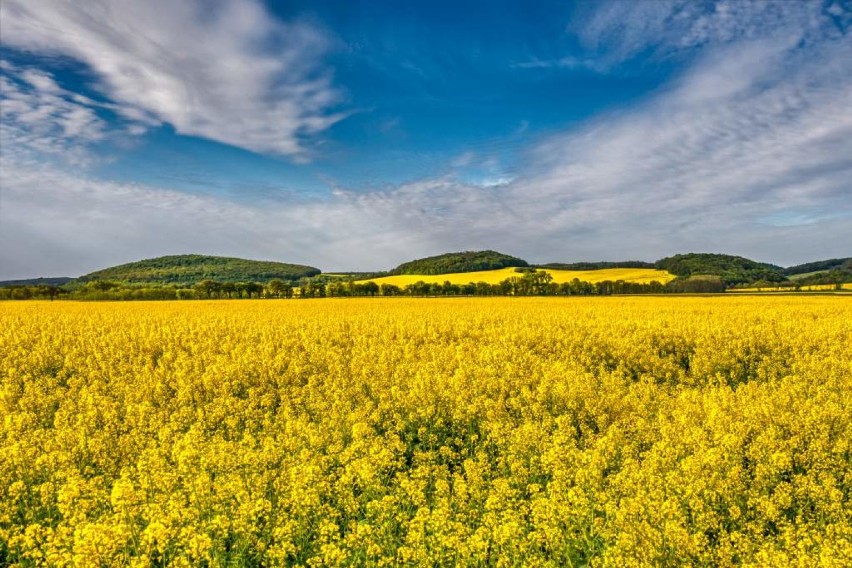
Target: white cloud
{"type": "Point", "coordinates": [60, 222]}
{"type": "Point", "coordinates": [745, 153]}
{"type": "Point", "coordinates": [463, 159]}
{"type": "Point", "coordinates": [221, 70]}
{"type": "Point", "coordinates": [736, 139]}
{"type": "Point", "coordinates": [622, 29]}
{"type": "Point", "coordinates": [568, 61]}
{"type": "Point", "coordinates": [39, 117]}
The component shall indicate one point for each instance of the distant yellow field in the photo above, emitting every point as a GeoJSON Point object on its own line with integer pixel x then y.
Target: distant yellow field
{"type": "Point", "coordinates": [638, 275]}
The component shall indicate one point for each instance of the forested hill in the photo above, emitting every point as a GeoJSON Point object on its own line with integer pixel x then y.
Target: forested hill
{"type": "Point", "coordinates": [596, 265]}
{"type": "Point", "coordinates": [841, 264]}
{"type": "Point", "coordinates": [55, 281]}
{"type": "Point", "coordinates": [454, 262]}
{"type": "Point", "coordinates": [192, 268]}
{"type": "Point", "coordinates": [730, 269]}
{"type": "Point", "coordinates": [188, 270]}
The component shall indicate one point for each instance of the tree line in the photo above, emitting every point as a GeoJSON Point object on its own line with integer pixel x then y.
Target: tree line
{"type": "Point", "coordinates": [530, 282]}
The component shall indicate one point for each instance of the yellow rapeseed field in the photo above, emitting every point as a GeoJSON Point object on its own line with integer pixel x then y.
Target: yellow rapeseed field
{"type": "Point", "coordinates": [614, 431]}
{"type": "Point", "coordinates": [636, 275]}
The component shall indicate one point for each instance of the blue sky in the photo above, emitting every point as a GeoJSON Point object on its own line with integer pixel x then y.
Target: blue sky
{"type": "Point", "coordinates": [354, 136]}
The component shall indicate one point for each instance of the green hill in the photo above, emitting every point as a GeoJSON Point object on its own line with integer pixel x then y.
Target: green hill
{"type": "Point", "coordinates": [730, 269]}
{"type": "Point", "coordinates": [841, 264]}
{"type": "Point", "coordinates": [454, 262]}
{"type": "Point", "coordinates": [191, 268]}
{"type": "Point", "coordinates": [596, 265]}
{"type": "Point", "coordinates": [57, 281]}
{"type": "Point", "coordinates": [832, 271]}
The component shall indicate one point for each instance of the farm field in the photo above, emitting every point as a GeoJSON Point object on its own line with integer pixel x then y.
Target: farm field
{"type": "Point", "coordinates": [603, 431]}
{"type": "Point", "coordinates": [637, 275]}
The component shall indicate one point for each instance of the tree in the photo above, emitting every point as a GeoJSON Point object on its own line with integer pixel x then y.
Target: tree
{"type": "Point", "coordinates": [275, 287]}
{"type": "Point", "coordinates": [253, 288]}
{"type": "Point", "coordinates": [310, 289]}
{"type": "Point", "coordinates": [697, 285]}
{"type": "Point", "coordinates": [207, 287]}
{"type": "Point", "coordinates": [48, 290]}
{"type": "Point", "coordinates": [390, 290]}
{"type": "Point", "coordinates": [507, 286]}
{"type": "Point", "coordinates": [603, 288]}
{"type": "Point", "coordinates": [371, 288]}
{"type": "Point", "coordinates": [482, 289]}
{"type": "Point", "coordinates": [536, 282]}
{"type": "Point", "coordinates": [449, 289]}
{"type": "Point", "coordinates": [184, 294]}
{"type": "Point", "coordinates": [419, 288]}
{"type": "Point", "coordinates": [101, 285]}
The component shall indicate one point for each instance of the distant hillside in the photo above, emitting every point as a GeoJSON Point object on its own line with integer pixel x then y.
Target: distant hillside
{"type": "Point", "coordinates": [191, 268]}
{"type": "Point", "coordinates": [454, 262]}
{"type": "Point", "coordinates": [696, 268]}
{"type": "Point", "coordinates": [344, 275]}
{"type": "Point", "coordinates": [730, 269]}
{"type": "Point", "coordinates": [842, 264]}
{"type": "Point", "coordinates": [58, 281]}
{"type": "Point", "coordinates": [596, 265]}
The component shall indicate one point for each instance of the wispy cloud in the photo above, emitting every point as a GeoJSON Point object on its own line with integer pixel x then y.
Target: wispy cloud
{"type": "Point", "coordinates": [569, 62]}
{"type": "Point", "coordinates": [227, 71]}
{"type": "Point", "coordinates": [619, 30]}
{"type": "Point", "coordinates": [38, 117]}
{"type": "Point", "coordinates": [746, 152]}
{"type": "Point", "coordinates": [736, 139]}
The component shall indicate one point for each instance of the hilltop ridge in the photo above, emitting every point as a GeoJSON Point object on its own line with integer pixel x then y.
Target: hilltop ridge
{"type": "Point", "coordinates": [729, 269]}
{"type": "Point", "coordinates": [191, 268]}
{"type": "Point", "coordinates": [454, 262]}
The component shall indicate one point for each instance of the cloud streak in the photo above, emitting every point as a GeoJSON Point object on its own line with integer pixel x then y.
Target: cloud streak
{"type": "Point", "coordinates": [38, 117]}
{"type": "Point", "coordinates": [620, 30]}
{"type": "Point", "coordinates": [746, 152]}
{"type": "Point", "coordinates": [226, 71]}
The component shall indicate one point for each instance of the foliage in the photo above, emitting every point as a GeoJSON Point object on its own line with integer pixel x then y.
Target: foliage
{"type": "Point", "coordinates": [596, 265]}
{"type": "Point", "coordinates": [836, 277]}
{"type": "Point", "coordinates": [468, 261]}
{"type": "Point", "coordinates": [522, 281]}
{"type": "Point", "coordinates": [57, 281]}
{"type": "Point", "coordinates": [532, 283]}
{"type": "Point", "coordinates": [195, 276]}
{"type": "Point", "coordinates": [836, 272]}
{"type": "Point", "coordinates": [794, 286]}
{"type": "Point", "coordinates": [841, 264]}
{"type": "Point", "coordinates": [31, 292]}
{"type": "Point", "coordinates": [730, 269]}
{"type": "Point", "coordinates": [386, 432]}
{"type": "Point", "coordinates": [354, 275]}
{"type": "Point", "coordinates": [699, 284]}
{"type": "Point", "coordinates": [192, 268]}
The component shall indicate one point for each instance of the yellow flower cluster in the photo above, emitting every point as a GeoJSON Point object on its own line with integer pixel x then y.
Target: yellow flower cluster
{"type": "Point", "coordinates": [615, 431]}
{"type": "Point", "coordinates": [634, 275]}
